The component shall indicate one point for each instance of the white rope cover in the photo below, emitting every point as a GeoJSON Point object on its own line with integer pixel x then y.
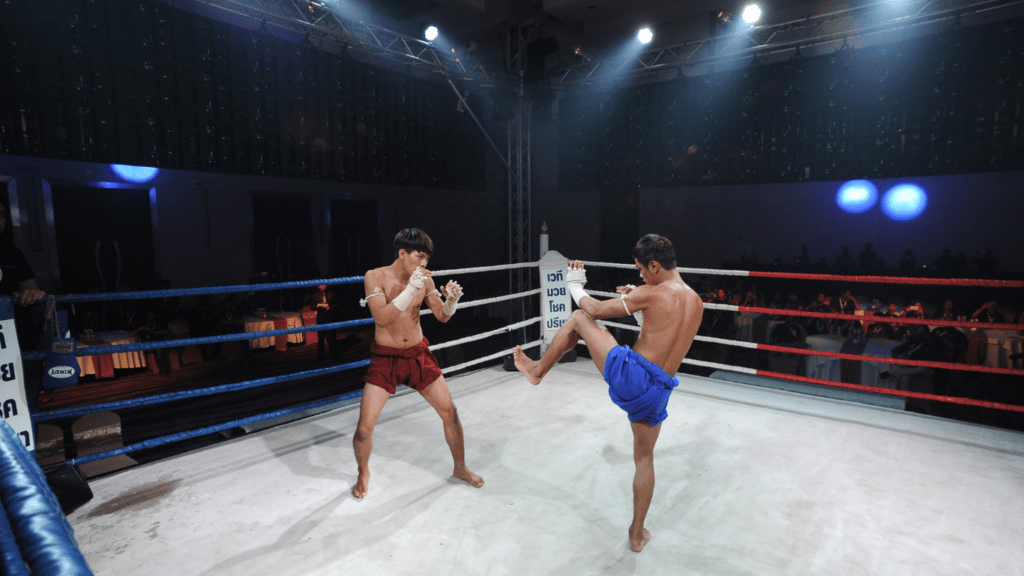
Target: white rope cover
{"type": "Point", "coordinates": [483, 335]}
{"type": "Point", "coordinates": [485, 268]}
{"type": "Point", "coordinates": [710, 271]}
{"type": "Point", "coordinates": [491, 357]}
{"type": "Point", "coordinates": [718, 366]}
{"type": "Point", "coordinates": [472, 303]}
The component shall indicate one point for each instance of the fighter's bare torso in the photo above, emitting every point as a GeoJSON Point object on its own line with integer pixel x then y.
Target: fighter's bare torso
{"type": "Point", "coordinates": [405, 331]}
{"type": "Point", "coordinates": [672, 315]}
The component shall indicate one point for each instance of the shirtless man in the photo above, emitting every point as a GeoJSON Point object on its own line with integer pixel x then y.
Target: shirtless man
{"type": "Point", "coordinates": [399, 351]}
{"type": "Point", "coordinates": [640, 382]}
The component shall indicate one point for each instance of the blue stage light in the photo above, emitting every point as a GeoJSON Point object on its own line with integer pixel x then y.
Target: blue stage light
{"type": "Point", "coordinates": [904, 202]}
{"type": "Point", "coordinates": [430, 33]}
{"type": "Point", "coordinates": [857, 196]}
{"type": "Point", "coordinates": [645, 35]}
{"type": "Point", "coordinates": [137, 174]}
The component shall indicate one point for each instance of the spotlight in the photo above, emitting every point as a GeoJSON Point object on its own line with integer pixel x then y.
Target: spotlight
{"type": "Point", "coordinates": [137, 174]}
{"type": "Point", "coordinates": [430, 33]}
{"type": "Point", "coordinates": [751, 13]}
{"type": "Point", "coordinates": [645, 35]}
{"type": "Point", "coordinates": [857, 196]}
{"type": "Point", "coordinates": [904, 202]}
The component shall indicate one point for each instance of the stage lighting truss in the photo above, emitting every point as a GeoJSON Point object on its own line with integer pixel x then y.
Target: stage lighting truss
{"type": "Point", "coordinates": [832, 29]}
{"type": "Point", "coordinates": [328, 28]}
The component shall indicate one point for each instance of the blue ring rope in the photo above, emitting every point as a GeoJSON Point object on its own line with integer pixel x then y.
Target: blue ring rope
{"type": "Point", "coordinates": [161, 398]}
{"type": "Point", "coordinates": [150, 294]}
{"type": "Point", "coordinates": [140, 346]}
{"type": "Point", "coordinates": [154, 442]}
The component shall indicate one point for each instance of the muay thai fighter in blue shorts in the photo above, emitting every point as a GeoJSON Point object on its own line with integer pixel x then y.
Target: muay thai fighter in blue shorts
{"type": "Point", "coordinates": [640, 380]}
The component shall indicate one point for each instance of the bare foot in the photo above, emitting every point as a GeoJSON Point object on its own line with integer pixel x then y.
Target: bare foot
{"type": "Point", "coordinates": [362, 485]}
{"type": "Point", "coordinates": [525, 365]}
{"type": "Point", "coordinates": [464, 474]}
{"type": "Point", "coordinates": [637, 544]}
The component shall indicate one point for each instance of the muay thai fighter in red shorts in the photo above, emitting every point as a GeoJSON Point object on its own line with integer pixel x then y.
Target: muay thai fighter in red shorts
{"type": "Point", "coordinates": [399, 351]}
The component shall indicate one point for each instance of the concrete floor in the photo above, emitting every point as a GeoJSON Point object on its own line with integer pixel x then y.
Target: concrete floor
{"type": "Point", "coordinates": [750, 481]}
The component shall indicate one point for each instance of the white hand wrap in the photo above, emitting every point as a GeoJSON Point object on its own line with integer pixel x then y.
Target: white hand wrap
{"type": "Point", "coordinates": [576, 279]}
{"type": "Point", "coordinates": [639, 314]}
{"type": "Point", "coordinates": [415, 285]}
{"type": "Point", "coordinates": [579, 276]}
{"type": "Point", "coordinates": [452, 301]}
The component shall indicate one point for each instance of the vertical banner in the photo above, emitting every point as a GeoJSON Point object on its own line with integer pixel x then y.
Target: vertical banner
{"type": "Point", "coordinates": [13, 406]}
{"type": "Point", "coordinates": [554, 297]}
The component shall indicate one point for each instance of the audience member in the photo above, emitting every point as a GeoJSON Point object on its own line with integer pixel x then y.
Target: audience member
{"type": "Point", "coordinates": [804, 260]}
{"type": "Point", "coordinates": [985, 261]}
{"type": "Point", "coordinates": [988, 313]}
{"type": "Point", "coordinates": [704, 288]}
{"type": "Point", "coordinates": [845, 260]}
{"type": "Point", "coordinates": [867, 257]}
{"type": "Point", "coordinates": [943, 264]}
{"type": "Point", "coordinates": [907, 261]}
{"type": "Point", "coordinates": [948, 311]}
{"type": "Point", "coordinates": [846, 303]}
{"type": "Point", "coordinates": [961, 266]}
{"type": "Point", "coordinates": [18, 281]}
{"type": "Point", "coordinates": [324, 302]}
{"type": "Point", "coordinates": [818, 325]}
{"type": "Point", "coordinates": [153, 330]}
{"type": "Point", "coordinates": [788, 332]}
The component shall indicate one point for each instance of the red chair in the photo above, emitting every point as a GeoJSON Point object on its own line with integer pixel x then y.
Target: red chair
{"type": "Point", "coordinates": [281, 342]}
{"type": "Point", "coordinates": [309, 319]}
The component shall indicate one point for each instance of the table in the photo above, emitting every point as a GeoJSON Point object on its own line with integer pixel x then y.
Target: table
{"type": "Point", "coordinates": [122, 360]}
{"type": "Point", "coordinates": [257, 324]}
{"type": "Point", "coordinates": [993, 348]}
{"type": "Point", "coordinates": [850, 371]}
{"type": "Point", "coordinates": [294, 321]}
{"type": "Point", "coordinates": [761, 326]}
{"type": "Point", "coordinates": [745, 325]}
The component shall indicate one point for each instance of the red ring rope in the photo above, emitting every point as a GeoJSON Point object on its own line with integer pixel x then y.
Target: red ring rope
{"type": "Point", "coordinates": [862, 318]}
{"type": "Point", "coordinates": [891, 392]}
{"type": "Point", "coordinates": [888, 360]}
{"type": "Point", "coordinates": [893, 279]}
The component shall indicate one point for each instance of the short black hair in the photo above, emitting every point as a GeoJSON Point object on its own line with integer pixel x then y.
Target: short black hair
{"type": "Point", "coordinates": [654, 248]}
{"type": "Point", "coordinates": [413, 239]}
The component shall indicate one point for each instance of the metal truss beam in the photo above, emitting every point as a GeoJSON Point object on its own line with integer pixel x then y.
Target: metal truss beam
{"type": "Point", "coordinates": [329, 30]}
{"type": "Point", "coordinates": [767, 40]}
{"type": "Point", "coordinates": [520, 247]}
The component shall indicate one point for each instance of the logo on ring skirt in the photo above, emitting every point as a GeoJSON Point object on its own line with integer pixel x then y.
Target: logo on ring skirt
{"type": "Point", "coordinates": [61, 372]}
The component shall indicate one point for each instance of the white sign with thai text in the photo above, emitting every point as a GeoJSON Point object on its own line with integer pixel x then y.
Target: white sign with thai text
{"type": "Point", "coordinates": [13, 406]}
{"type": "Point", "coordinates": [556, 304]}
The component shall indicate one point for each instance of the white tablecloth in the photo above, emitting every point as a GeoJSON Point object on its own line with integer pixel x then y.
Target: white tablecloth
{"type": "Point", "coordinates": [831, 368]}
{"type": "Point", "coordinates": [294, 321]}
{"type": "Point", "coordinates": [113, 338]}
{"type": "Point", "coordinates": [869, 371]}
{"type": "Point", "coordinates": [1001, 344]}
{"type": "Point", "coordinates": [254, 324]}
{"type": "Point", "coordinates": [745, 324]}
{"type": "Point", "coordinates": [824, 367]}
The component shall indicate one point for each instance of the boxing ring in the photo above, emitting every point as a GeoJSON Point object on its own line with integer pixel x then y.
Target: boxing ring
{"type": "Point", "coordinates": [752, 479]}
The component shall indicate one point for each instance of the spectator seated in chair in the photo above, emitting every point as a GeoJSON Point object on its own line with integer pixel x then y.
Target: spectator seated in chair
{"type": "Point", "coordinates": [988, 313]}
{"type": "Point", "coordinates": [153, 330]}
